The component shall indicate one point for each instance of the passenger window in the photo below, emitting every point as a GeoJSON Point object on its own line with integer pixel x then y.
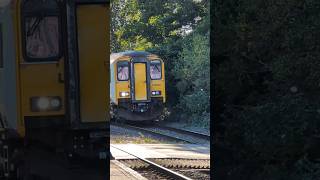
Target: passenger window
{"type": "Point", "coordinates": [42, 37]}
{"type": "Point", "coordinates": [155, 70]}
{"type": "Point", "coordinates": [123, 71]}
{"type": "Point", "coordinates": [1, 47]}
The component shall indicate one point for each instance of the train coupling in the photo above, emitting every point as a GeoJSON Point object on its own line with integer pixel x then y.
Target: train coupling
{"type": "Point", "coordinates": [140, 107]}
{"type": "Point", "coordinates": [91, 145]}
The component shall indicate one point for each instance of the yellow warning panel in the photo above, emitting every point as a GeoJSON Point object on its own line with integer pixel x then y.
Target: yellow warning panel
{"type": "Point", "coordinates": [93, 47]}
{"type": "Point", "coordinates": [140, 84]}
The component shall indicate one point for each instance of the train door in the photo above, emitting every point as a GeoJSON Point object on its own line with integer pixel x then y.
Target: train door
{"type": "Point", "coordinates": [140, 81]}
{"type": "Point", "coordinates": [41, 63]}
{"type": "Point", "coordinates": [93, 61]}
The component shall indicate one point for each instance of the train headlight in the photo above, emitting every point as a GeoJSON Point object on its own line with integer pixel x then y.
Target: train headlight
{"type": "Point", "coordinates": [45, 104]}
{"type": "Point", "coordinates": [55, 103]}
{"type": "Point", "coordinates": [156, 93]}
{"type": "Point", "coordinates": [124, 94]}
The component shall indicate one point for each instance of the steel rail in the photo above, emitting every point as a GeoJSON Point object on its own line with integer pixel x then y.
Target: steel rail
{"type": "Point", "coordinates": [162, 169]}
{"type": "Point", "coordinates": [150, 132]}
{"type": "Point", "coordinates": [183, 131]}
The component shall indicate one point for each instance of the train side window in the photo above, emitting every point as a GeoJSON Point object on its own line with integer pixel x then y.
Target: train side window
{"type": "Point", "coordinates": [123, 71]}
{"type": "Point", "coordinates": [155, 70]}
{"type": "Point", "coordinates": [42, 37]}
{"type": "Point", "coordinates": [1, 47]}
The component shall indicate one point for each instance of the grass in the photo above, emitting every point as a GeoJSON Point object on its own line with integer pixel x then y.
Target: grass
{"type": "Point", "coordinates": [135, 140]}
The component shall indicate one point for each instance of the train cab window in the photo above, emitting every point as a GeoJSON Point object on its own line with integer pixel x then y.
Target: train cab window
{"type": "Point", "coordinates": [41, 30]}
{"type": "Point", "coordinates": [42, 37]}
{"type": "Point", "coordinates": [155, 70]}
{"type": "Point", "coordinates": [123, 71]}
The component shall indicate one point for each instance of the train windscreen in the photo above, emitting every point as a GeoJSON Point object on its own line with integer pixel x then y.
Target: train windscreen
{"type": "Point", "coordinates": [42, 37]}
{"type": "Point", "coordinates": [155, 70]}
{"type": "Point", "coordinates": [123, 71]}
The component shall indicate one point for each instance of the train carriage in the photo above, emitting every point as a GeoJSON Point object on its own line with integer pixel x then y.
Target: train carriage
{"type": "Point", "coordinates": [54, 76]}
{"type": "Point", "coordinates": [137, 86]}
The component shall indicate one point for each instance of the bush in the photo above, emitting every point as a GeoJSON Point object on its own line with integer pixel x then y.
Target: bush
{"type": "Point", "coordinates": [192, 73]}
{"type": "Point", "coordinates": [275, 136]}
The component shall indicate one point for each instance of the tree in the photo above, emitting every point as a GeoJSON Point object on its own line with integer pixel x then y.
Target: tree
{"type": "Point", "coordinates": [192, 72]}
{"type": "Point", "coordinates": [165, 28]}
{"type": "Point", "coordinates": [143, 24]}
{"type": "Point", "coordinates": [266, 54]}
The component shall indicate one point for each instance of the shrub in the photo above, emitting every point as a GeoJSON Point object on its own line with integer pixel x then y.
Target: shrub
{"type": "Point", "coordinates": [192, 73]}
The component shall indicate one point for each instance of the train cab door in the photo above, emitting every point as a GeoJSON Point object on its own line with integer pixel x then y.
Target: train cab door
{"type": "Point", "coordinates": [41, 62]}
{"type": "Point", "coordinates": [92, 23]}
{"type": "Point", "coordinates": [140, 80]}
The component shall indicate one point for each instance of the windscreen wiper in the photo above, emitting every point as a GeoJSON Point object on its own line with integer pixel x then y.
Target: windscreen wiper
{"type": "Point", "coordinates": [157, 68]}
{"type": "Point", "coordinates": [34, 26]}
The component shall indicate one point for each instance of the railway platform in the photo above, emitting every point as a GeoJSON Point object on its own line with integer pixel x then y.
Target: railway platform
{"type": "Point", "coordinates": [119, 172]}
{"type": "Point", "coordinates": [194, 151]}
{"type": "Point", "coordinates": [165, 161]}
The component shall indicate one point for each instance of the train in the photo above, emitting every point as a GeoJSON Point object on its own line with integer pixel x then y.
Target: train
{"type": "Point", "coordinates": [137, 86]}
{"type": "Point", "coordinates": [54, 78]}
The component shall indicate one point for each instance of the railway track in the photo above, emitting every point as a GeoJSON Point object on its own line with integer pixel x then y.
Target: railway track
{"type": "Point", "coordinates": [152, 132]}
{"type": "Point", "coordinates": [170, 133]}
{"type": "Point", "coordinates": [183, 131]}
{"type": "Point", "coordinates": [159, 171]}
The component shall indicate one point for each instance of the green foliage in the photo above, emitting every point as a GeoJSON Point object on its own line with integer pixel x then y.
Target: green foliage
{"type": "Point", "coordinates": [267, 69]}
{"type": "Point", "coordinates": [274, 137]}
{"type": "Point", "coordinates": [158, 27]}
{"type": "Point", "coordinates": [143, 24]}
{"type": "Point", "coordinates": [192, 72]}
{"type": "Point", "coordinates": [307, 170]}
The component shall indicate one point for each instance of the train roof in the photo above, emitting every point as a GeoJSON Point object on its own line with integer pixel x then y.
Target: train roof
{"type": "Point", "coordinates": [115, 56]}
{"type": "Point", "coordinates": [134, 53]}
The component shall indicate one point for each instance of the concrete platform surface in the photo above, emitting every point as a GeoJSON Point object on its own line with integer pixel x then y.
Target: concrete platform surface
{"type": "Point", "coordinates": [193, 151]}
{"type": "Point", "coordinates": [120, 172]}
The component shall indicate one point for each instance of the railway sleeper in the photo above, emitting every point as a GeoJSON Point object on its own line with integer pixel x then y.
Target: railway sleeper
{"type": "Point", "coordinates": [170, 163]}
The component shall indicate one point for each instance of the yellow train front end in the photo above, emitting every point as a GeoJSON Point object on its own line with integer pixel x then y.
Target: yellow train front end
{"type": "Point", "coordinates": [137, 86]}
{"type": "Point", "coordinates": [55, 74]}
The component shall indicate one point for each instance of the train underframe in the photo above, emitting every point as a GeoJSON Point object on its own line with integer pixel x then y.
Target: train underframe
{"type": "Point", "coordinates": [138, 111]}
{"type": "Point", "coordinates": [72, 144]}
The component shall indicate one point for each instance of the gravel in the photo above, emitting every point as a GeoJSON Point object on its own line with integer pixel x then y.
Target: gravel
{"type": "Point", "coordinates": [199, 174]}
{"type": "Point", "coordinates": [186, 137]}
{"type": "Point", "coordinates": [150, 174]}
{"type": "Point", "coordinates": [119, 135]}
{"type": "Point", "coordinates": [188, 127]}
{"type": "Point", "coordinates": [195, 169]}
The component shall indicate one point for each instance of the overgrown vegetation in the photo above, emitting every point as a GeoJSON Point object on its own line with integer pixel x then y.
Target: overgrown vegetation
{"type": "Point", "coordinates": [267, 89]}
{"type": "Point", "coordinates": [177, 31]}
